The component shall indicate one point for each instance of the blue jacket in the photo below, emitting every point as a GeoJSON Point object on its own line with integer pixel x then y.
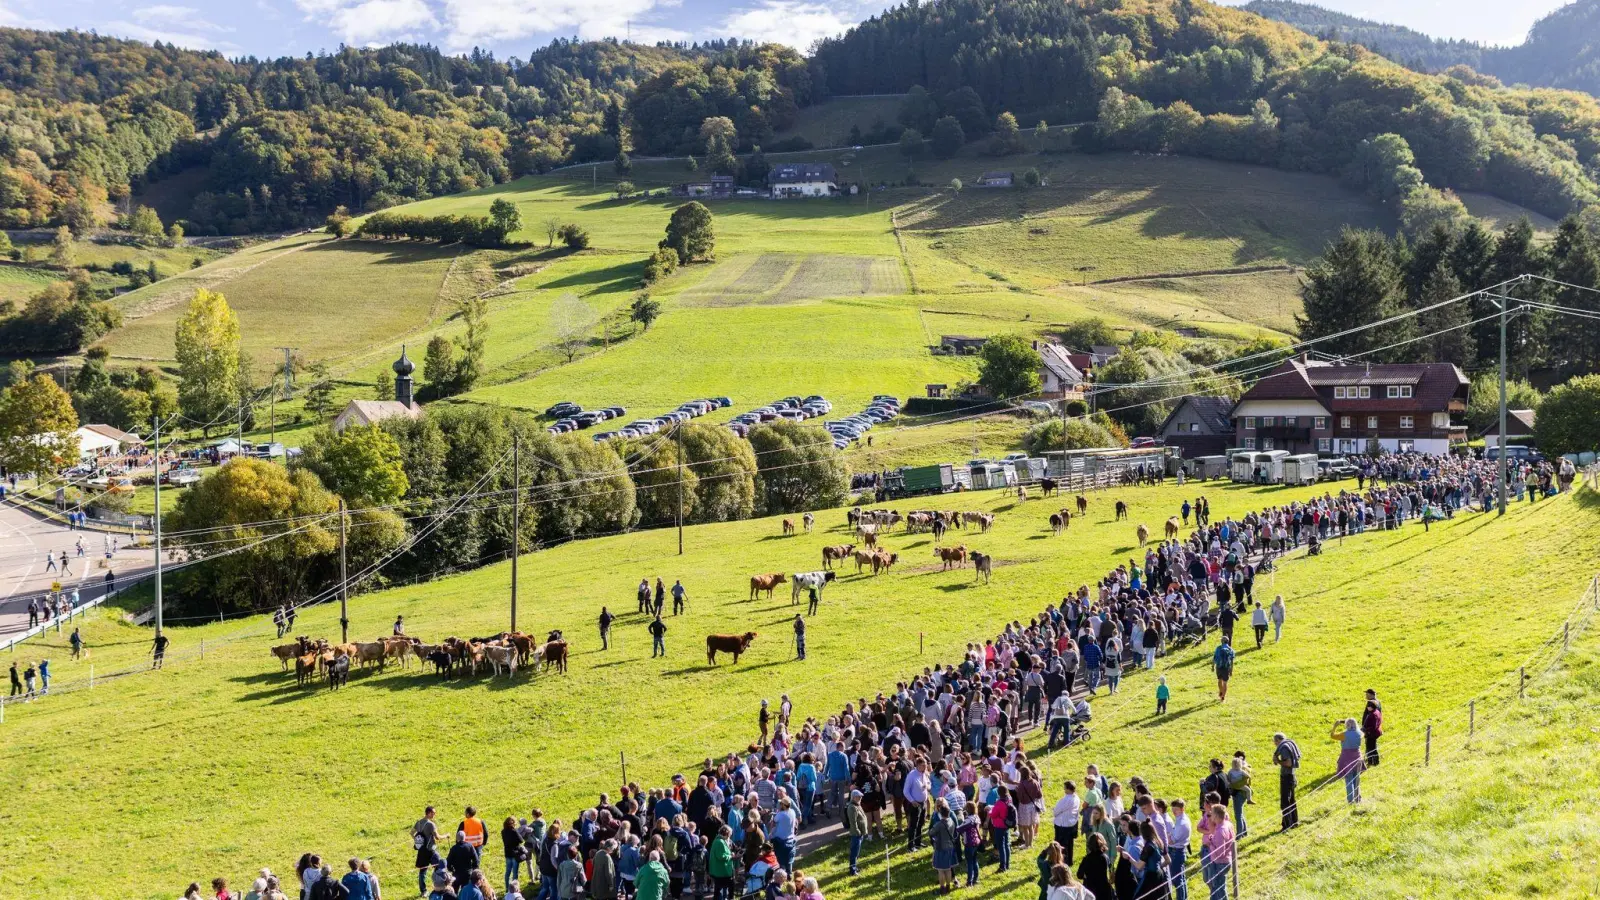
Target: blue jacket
{"type": "Point", "coordinates": [1092, 655]}
{"type": "Point", "coordinates": [838, 766]}
{"type": "Point", "coordinates": [1222, 657]}
{"type": "Point", "coordinates": [359, 886]}
{"type": "Point", "coordinates": [666, 808]}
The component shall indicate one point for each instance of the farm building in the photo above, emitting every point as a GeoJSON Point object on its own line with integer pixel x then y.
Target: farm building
{"type": "Point", "coordinates": [1308, 406]}
{"type": "Point", "coordinates": [1199, 426]}
{"type": "Point", "coordinates": [1519, 425]}
{"type": "Point", "coordinates": [995, 179]}
{"type": "Point", "coordinates": [803, 180]}
{"type": "Point", "coordinates": [1058, 376]}
{"type": "Point", "coordinates": [715, 187]}
{"type": "Point", "coordinates": [963, 344]}
{"type": "Point", "coordinates": [95, 441]}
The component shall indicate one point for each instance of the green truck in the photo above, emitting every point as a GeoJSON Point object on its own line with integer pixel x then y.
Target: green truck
{"type": "Point", "coordinates": [935, 479]}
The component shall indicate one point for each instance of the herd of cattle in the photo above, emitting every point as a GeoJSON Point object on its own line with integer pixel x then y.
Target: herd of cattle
{"type": "Point", "coordinates": [507, 651]}
{"type": "Point", "coordinates": [504, 652]}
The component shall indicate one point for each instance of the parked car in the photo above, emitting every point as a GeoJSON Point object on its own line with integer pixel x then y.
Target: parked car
{"type": "Point", "coordinates": [644, 426]}
{"type": "Point", "coordinates": [1139, 443]}
{"type": "Point", "coordinates": [723, 402]}
{"type": "Point", "coordinates": [563, 409]}
{"type": "Point", "coordinates": [1335, 470]}
{"type": "Point", "coordinates": [604, 436]}
{"type": "Point", "coordinates": [1013, 457]}
{"type": "Point", "coordinates": [615, 412]}
{"type": "Point", "coordinates": [1514, 452]}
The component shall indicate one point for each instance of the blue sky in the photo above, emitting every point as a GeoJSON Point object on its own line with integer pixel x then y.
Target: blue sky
{"type": "Point", "coordinates": [514, 27]}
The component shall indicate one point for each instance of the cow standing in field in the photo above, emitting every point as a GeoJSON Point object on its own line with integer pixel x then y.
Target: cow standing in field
{"type": "Point", "coordinates": [840, 552]}
{"type": "Point", "coordinates": [938, 531]}
{"type": "Point", "coordinates": [1172, 528]}
{"type": "Point", "coordinates": [759, 583]}
{"type": "Point", "coordinates": [1144, 535]}
{"type": "Point", "coordinates": [1122, 511]}
{"type": "Point", "coordinates": [1059, 522]}
{"type": "Point", "coordinates": [809, 521]}
{"type": "Point", "coordinates": [949, 556]}
{"type": "Point", "coordinates": [736, 644]}
{"type": "Point", "coordinates": [982, 564]}
{"type": "Point", "coordinates": [1047, 486]}
{"type": "Point", "coordinates": [1083, 504]}
{"type": "Point", "coordinates": [338, 672]}
{"type": "Point", "coordinates": [882, 562]}
{"type": "Point", "coordinates": [812, 580]}
{"type": "Point", "coordinates": [788, 527]}
{"type": "Point", "coordinates": [864, 558]}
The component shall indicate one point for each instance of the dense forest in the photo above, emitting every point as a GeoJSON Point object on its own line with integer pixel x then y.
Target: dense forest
{"type": "Point", "coordinates": [87, 118]}
{"type": "Point", "coordinates": [1561, 51]}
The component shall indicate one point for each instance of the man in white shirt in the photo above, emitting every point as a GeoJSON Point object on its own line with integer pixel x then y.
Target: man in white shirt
{"type": "Point", "coordinates": [1066, 815]}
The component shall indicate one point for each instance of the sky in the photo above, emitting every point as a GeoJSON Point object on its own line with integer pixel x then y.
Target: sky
{"type": "Point", "coordinates": [269, 28]}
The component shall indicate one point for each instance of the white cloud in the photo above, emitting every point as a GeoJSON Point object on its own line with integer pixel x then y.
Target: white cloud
{"type": "Point", "coordinates": [474, 22]}
{"type": "Point", "coordinates": [181, 25]}
{"type": "Point", "coordinates": [794, 22]}
{"type": "Point", "coordinates": [381, 20]}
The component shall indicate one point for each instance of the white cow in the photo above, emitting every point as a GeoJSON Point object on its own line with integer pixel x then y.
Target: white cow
{"type": "Point", "coordinates": [804, 580]}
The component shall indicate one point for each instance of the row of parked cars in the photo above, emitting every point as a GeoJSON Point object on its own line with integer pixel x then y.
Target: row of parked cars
{"type": "Point", "coordinates": [882, 408]}
{"type": "Point", "coordinates": [795, 409]}
{"type": "Point", "coordinates": [572, 417]}
{"type": "Point", "coordinates": [692, 409]}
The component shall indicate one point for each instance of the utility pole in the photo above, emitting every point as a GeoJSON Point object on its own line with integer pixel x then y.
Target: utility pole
{"type": "Point", "coordinates": [1505, 305]}
{"type": "Point", "coordinates": [344, 581]}
{"type": "Point", "coordinates": [678, 433]}
{"type": "Point", "coordinates": [288, 369]}
{"type": "Point", "coordinates": [516, 520]}
{"type": "Point", "coordinates": [158, 524]}
{"type": "Point", "coordinates": [272, 412]}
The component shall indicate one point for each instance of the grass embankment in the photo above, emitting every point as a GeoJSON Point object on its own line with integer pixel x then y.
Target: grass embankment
{"type": "Point", "coordinates": [228, 749]}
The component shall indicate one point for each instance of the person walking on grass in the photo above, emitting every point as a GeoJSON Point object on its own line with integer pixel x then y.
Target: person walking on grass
{"type": "Point", "coordinates": [1276, 614]}
{"type": "Point", "coordinates": [1287, 755]}
{"type": "Point", "coordinates": [661, 597]}
{"type": "Point", "coordinates": [1222, 662]}
{"type": "Point", "coordinates": [1372, 726]}
{"type": "Point", "coordinates": [1163, 694]}
{"type": "Point", "coordinates": [606, 618]}
{"type": "Point", "coordinates": [855, 825]}
{"type": "Point", "coordinates": [799, 637]}
{"type": "Point", "coordinates": [424, 840]}
{"type": "Point", "coordinates": [158, 650]}
{"type": "Point", "coordinates": [1258, 622]}
{"type": "Point", "coordinates": [1350, 762]}
{"type": "Point", "coordinates": [680, 602]}
{"type": "Point", "coordinates": [658, 635]}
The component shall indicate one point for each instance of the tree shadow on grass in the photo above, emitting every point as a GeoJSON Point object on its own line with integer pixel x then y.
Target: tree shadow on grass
{"type": "Point", "coordinates": [1154, 719]}
{"type": "Point", "coordinates": [392, 252]}
{"type": "Point", "coordinates": [620, 272]}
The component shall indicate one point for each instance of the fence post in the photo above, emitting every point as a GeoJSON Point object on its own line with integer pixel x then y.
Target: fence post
{"type": "Point", "coordinates": [1427, 746]}
{"type": "Point", "coordinates": [1566, 634]}
{"type": "Point", "coordinates": [202, 648]}
{"type": "Point", "coordinates": [623, 755]}
{"type": "Point", "coordinates": [1522, 682]}
{"type": "Point", "coordinates": [1235, 871]}
{"type": "Point", "coordinates": [919, 643]}
{"type": "Point", "coordinates": [1472, 717]}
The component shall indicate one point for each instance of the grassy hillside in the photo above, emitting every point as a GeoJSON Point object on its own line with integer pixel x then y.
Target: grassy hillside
{"type": "Point", "coordinates": [886, 273]}
{"type": "Point", "coordinates": [210, 733]}
{"type": "Point", "coordinates": [828, 124]}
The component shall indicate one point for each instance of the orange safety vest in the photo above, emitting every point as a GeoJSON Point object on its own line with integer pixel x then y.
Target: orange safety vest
{"type": "Point", "coordinates": [475, 831]}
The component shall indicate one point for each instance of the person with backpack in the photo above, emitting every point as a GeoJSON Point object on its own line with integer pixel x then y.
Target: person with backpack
{"type": "Point", "coordinates": [1286, 754]}
{"type": "Point", "coordinates": [424, 838]}
{"type": "Point", "coordinates": [1222, 662]}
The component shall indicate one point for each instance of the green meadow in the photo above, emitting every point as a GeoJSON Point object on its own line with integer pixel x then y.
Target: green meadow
{"type": "Point", "coordinates": [226, 748]}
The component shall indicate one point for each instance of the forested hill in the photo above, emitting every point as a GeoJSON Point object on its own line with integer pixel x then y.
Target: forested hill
{"type": "Point", "coordinates": [1561, 51]}
{"type": "Point", "coordinates": [87, 116]}
{"type": "Point", "coordinates": [1190, 77]}
{"type": "Point", "coordinates": [284, 141]}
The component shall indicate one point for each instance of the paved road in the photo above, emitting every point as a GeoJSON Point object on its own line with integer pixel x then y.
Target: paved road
{"type": "Point", "coordinates": [24, 540]}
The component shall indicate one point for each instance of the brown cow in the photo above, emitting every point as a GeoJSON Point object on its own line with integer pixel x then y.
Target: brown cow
{"type": "Point", "coordinates": [842, 551]}
{"type": "Point", "coordinates": [399, 648]}
{"type": "Point", "coordinates": [870, 539]}
{"type": "Point", "coordinates": [881, 561]}
{"type": "Point", "coordinates": [1144, 535]}
{"type": "Point", "coordinates": [982, 564]}
{"type": "Point", "coordinates": [766, 583]}
{"type": "Point", "coordinates": [948, 555]}
{"type": "Point", "coordinates": [372, 652]}
{"type": "Point", "coordinates": [788, 527]}
{"type": "Point", "coordinates": [985, 522]}
{"type": "Point", "coordinates": [305, 668]}
{"type": "Point", "coordinates": [286, 652]}
{"type": "Point", "coordinates": [1083, 504]}
{"type": "Point", "coordinates": [864, 558]}
{"type": "Point", "coordinates": [1172, 528]}
{"type": "Point", "coordinates": [523, 643]}
{"type": "Point", "coordinates": [502, 657]}
{"type": "Point", "coordinates": [727, 643]}
{"type": "Point", "coordinates": [552, 653]}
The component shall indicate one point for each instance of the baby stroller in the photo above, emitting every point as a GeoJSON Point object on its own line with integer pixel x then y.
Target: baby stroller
{"type": "Point", "coordinates": [1193, 632]}
{"type": "Point", "coordinates": [1075, 731]}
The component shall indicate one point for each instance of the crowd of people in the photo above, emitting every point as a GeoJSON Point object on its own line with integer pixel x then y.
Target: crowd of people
{"type": "Point", "coordinates": [940, 763]}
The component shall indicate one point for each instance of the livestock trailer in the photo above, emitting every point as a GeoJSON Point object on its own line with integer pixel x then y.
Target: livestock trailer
{"type": "Point", "coordinates": [1300, 469]}
{"type": "Point", "coordinates": [1239, 465]}
{"type": "Point", "coordinates": [935, 479]}
{"type": "Point", "coordinates": [1205, 468]}
{"type": "Point", "coordinates": [1266, 466]}
{"type": "Point", "coordinates": [992, 475]}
